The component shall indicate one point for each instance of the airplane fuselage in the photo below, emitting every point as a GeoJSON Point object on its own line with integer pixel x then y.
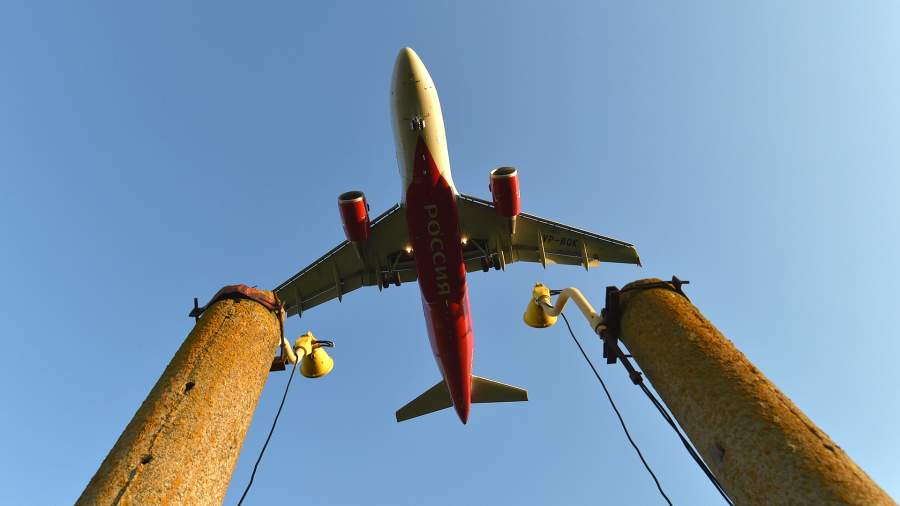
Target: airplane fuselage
{"type": "Point", "coordinates": [432, 216]}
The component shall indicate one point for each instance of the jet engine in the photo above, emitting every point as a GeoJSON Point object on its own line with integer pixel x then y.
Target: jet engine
{"type": "Point", "coordinates": [354, 215]}
{"type": "Point", "coordinates": [505, 192]}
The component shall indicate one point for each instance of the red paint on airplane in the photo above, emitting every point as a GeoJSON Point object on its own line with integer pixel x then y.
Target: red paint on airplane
{"type": "Point", "coordinates": [433, 223]}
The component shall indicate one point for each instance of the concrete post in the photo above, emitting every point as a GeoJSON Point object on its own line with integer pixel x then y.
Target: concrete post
{"type": "Point", "coordinates": [183, 443]}
{"type": "Point", "coordinates": [760, 446]}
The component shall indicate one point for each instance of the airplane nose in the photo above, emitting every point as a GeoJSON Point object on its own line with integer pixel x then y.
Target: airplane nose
{"type": "Point", "coordinates": [411, 86]}
{"type": "Point", "coordinates": [404, 67]}
{"type": "Point", "coordinates": [407, 55]}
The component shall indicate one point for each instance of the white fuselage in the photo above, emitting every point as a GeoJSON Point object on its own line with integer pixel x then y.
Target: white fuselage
{"type": "Point", "coordinates": [416, 112]}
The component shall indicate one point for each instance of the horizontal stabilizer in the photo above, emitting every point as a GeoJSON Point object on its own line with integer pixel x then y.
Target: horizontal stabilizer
{"type": "Point", "coordinates": [485, 390]}
{"type": "Point", "coordinates": [438, 397]}
{"type": "Point", "coordinates": [434, 399]}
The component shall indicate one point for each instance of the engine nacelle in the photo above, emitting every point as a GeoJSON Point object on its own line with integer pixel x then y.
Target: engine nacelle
{"type": "Point", "coordinates": [505, 191]}
{"type": "Point", "coordinates": [354, 215]}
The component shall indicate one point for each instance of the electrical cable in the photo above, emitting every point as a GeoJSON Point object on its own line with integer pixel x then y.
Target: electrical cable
{"type": "Point", "coordinates": [619, 415]}
{"type": "Point", "coordinates": [687, 445]}
{"type": "Point", "coordinates": [637, 379]}
{"type": "Point", "coordinates": [271, 430]}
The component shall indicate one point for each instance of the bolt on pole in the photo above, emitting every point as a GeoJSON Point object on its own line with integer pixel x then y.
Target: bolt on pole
{"type": "Point", "coordinates": [183, 443]}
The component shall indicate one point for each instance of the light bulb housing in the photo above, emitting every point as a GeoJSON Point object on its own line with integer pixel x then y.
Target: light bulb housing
{"type": "Point", "coordinates": [316, 364]}
{"type": "Point", "coordinates": [535, 316]}
{"type": "Point", "coordinates": [316, 361]}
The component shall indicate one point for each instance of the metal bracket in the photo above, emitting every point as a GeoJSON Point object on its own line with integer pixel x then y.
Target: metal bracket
{"type": "Point", "coordinates": [278, 362]}
{"type": "Point", "coordinates": [612, 320]}
{"type": "Point", "coordinates": [267, 299]}
{"type": "Point", "coordinates": [673, 286]}
{"type": "Point", "coordinates": [612, 317]}
{"type": "Point", "coordinates": [197, 311]}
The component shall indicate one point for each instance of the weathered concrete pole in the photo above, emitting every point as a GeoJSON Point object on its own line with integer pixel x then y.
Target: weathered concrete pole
{"type": "Point", "coordinates": [760, 446]}
{"type": "Point", "coordinates": [183, 443]}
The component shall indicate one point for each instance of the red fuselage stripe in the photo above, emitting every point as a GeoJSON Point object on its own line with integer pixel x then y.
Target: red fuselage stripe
{"type": "Point", "coordinates": [433, 223]}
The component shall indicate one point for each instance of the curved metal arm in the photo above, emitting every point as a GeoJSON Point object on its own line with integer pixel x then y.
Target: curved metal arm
{"type": "Point", "coordinates": [574, 294]}
{"type": "Point", "coordinates": [290, 356]}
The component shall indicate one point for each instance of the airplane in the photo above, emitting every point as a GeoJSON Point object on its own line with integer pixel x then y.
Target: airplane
{"type": "Point", "coordinates": [435, 236]}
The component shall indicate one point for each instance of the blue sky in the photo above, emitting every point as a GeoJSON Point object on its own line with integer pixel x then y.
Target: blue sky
{"type": "Point", "coordinates": [153, 153]}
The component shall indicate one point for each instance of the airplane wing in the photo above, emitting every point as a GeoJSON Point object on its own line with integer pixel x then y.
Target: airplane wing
{"type": "Point", "coordinates": [382, 259]}
{"type": "Point", "coordinates": [491, 243]}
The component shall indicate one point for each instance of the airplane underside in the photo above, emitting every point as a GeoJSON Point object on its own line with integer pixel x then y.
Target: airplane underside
{"type": "Point", "coordinates": [435, 236]}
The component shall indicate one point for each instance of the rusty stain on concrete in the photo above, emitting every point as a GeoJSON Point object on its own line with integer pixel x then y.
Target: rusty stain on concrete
{"type": "Point", "coordinates": [760, 446]}
{"type": "Point", "coordinates": [183, 443]}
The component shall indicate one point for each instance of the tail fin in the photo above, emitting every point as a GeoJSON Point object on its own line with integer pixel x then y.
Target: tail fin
{"type": "Point", "coordinates": [485, 390]}
{"type": "Point", "coordinates": [438, 397]}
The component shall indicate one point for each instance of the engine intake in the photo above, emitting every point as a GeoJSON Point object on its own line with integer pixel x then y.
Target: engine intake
{"type": "Point", "coordinates": [354, 215]}
{"type": "Point", "coordinates": [505, 191]}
